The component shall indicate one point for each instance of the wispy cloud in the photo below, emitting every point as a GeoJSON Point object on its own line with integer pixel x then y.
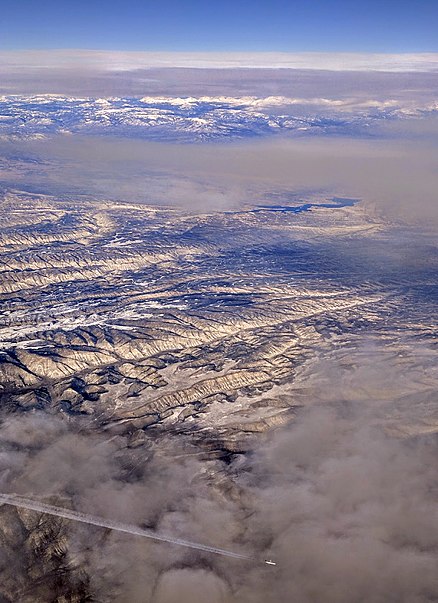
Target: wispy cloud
{"type": "Point", "coordinates": [119, 61]}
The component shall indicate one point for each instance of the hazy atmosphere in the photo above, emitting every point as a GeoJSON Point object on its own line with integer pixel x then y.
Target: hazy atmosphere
{"type": "Point", "coordinates": [218, 300]}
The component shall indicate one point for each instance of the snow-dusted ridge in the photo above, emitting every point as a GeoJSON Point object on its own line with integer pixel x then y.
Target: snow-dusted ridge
{"type": "Point", "coordinates": [196, 118]}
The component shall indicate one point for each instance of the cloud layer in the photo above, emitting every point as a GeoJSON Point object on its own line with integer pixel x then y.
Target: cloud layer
{"type": "Point", "coordinates": [399, 176]}
{"type": "Point", "coordinates": [127, 61]}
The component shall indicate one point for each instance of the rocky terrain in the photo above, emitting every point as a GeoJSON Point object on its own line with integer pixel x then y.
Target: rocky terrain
{"type": "Point", "coordinates": [44, 572]}
{"type": "Point", "coordinates": [141, 316]}
{"type": "Point", "coordinates": [143, 323]}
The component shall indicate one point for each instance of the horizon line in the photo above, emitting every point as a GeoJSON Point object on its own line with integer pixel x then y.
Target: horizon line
{"type": "Point", "coordinates": [128, 60]}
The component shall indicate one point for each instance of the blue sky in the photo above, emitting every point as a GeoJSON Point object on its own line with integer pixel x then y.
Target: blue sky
{"type": "Point", "coordinates": [209, 25]}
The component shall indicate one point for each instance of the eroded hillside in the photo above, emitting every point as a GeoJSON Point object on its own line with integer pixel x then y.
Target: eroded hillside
{"type": "Point", "coordinates": [134, 324]}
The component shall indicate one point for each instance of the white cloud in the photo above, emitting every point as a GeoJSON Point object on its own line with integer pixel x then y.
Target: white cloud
{"type": "Point", "coordinates": [127, 61]}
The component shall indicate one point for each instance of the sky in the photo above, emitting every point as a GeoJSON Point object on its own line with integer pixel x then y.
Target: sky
{"type": "Point", "coordinates": [226, 25]}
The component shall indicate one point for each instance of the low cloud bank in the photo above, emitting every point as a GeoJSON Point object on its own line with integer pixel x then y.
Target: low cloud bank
{"type": "Point", "coordinates": [351, 513]}
{"type": "Point", "coordinates": [398, 176]}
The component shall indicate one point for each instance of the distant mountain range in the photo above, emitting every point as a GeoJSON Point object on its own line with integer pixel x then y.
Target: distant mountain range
{"type": "Point", "coordinates": [191, 119]}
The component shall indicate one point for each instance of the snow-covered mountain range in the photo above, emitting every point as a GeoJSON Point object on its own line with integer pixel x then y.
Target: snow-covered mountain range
{"type": "Point", "coordinates": [190, 118]}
